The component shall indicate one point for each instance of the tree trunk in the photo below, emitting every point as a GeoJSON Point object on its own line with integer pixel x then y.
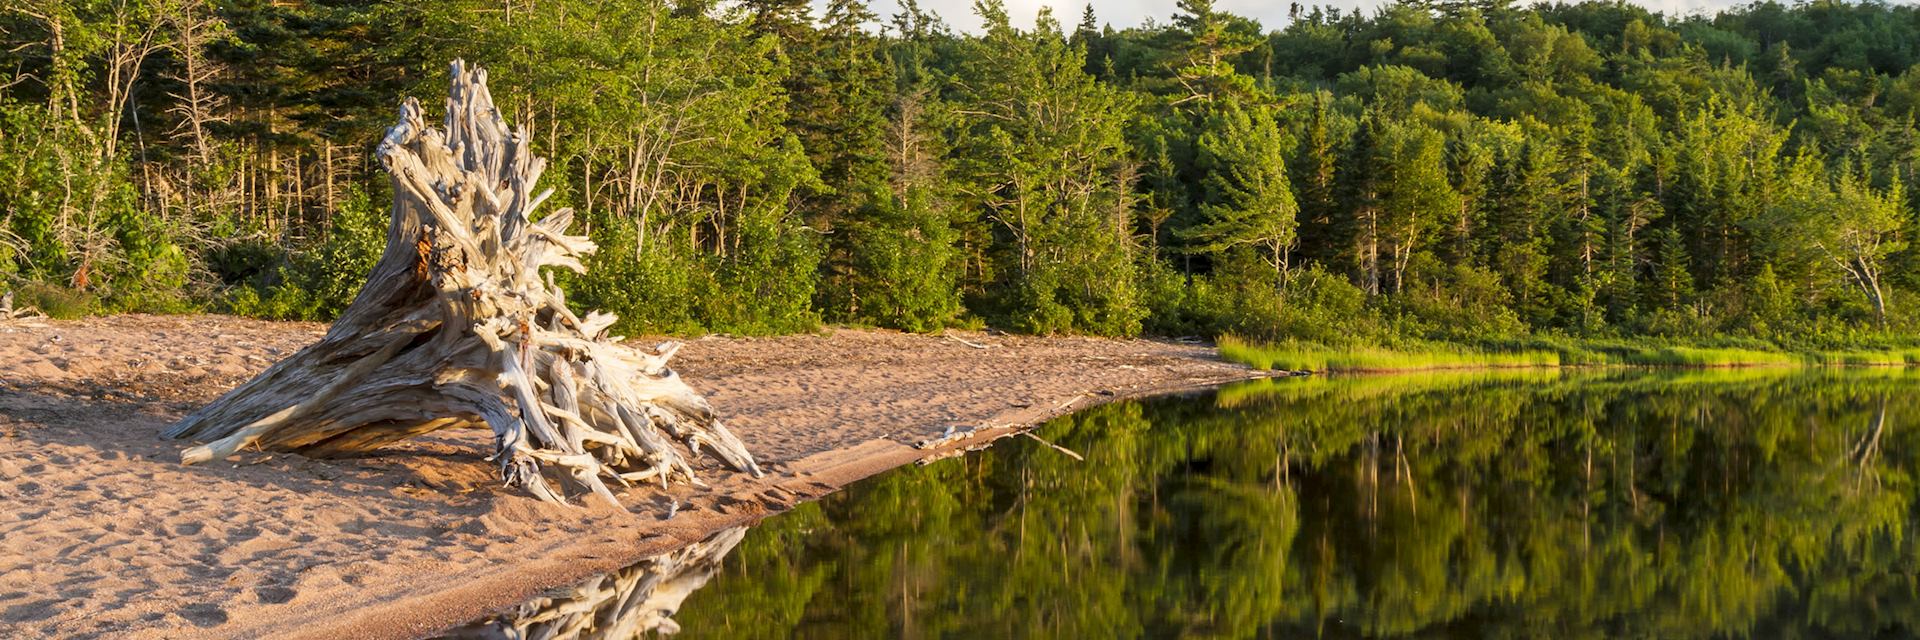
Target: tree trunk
{"type": "Point", "coordinates": [456, 327]}
{"type": "Point", "coordinates": [1869, 277]}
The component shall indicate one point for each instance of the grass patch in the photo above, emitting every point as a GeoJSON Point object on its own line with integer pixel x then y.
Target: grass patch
{"type": "Point", "coordinates": [1866, 358]}
{"type": "Point", "coordinates": [1297, 356]}
{"type": "Point", "coordinates": [1706, 357]}
{"type": "Point", "coordinates": [1301, 356]}
{"type": "Point", "coordinates": [54, 300]}
{"type": "Point", "coordinates": [1362, 388]}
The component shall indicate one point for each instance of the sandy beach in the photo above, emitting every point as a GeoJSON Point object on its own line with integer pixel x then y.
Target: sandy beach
{"type": "Point", "coordinates": [104, 534]}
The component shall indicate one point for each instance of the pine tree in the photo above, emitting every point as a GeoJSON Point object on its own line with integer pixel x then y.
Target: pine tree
{"type": "Point", "coordinates": [838, 102]}
{"type": "Point", "coordinates": [1521, 201]}
{"type": "Point", "coordinates": [1246, 200]}
{"type": "Point", "coordinates": [1206, 47]}
{"type": "Point", "coordinates": [1314, 165]}
{"type": "Point", "coordinates": [905, 265]}
{"type": "Point", "coordinates": [1415, 194]}
{"type": "Point", "coordinates": [1361, 194]}
{"type": "Point", "coordinates": [788, 22]}
{"type": "Point", "coordinates": [1671, 284]}
{"type": "Point", "coordinates": [1045, 161]}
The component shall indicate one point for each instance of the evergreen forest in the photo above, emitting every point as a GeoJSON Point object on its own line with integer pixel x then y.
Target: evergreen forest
{"type": "Point", "coordinates": [1431, 171]}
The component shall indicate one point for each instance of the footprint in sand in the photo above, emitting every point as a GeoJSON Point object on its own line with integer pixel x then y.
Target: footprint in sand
{"type": "Point", "coordinates": [28, 612]}
{"type": "Point", "coordinates": [275, 595]}
{"type": "Point", "coordinates": [205, 615]}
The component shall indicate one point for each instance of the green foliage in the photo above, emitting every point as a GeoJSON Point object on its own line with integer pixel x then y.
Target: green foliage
{"type": "Point", "coordinates": [1301, 356]}
{"type": "Point", "coordinates": [71, 219]}
{"type": "Point", "coordinates": [661, 289]}
{"type": "Point", "coordinates": [1245, 198]}
{"type": "Point", "coordinates": [1047, 165]}
{"type": "Point", "coordinates": [1458, 303]}
{"type": "Point", "coordinates": [1545, 352]}
{"type": "Point", "coordinates": [759, 287]}
{"type": "Point", "coordinates": [319, 281]}
{"type": "Point", "coordinates": [905, 269]}
{"type": "Point", "coordinates": [1312, 305]}
{"type": "Point", "coordinates": [1431, 171]}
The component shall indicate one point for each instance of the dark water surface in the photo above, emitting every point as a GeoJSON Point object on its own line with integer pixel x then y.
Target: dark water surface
{"type": "Point", "coordinates": [1757, 502]}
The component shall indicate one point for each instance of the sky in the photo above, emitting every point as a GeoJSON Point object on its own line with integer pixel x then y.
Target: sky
{"type": "Point", "coordinates": [1126, 13]}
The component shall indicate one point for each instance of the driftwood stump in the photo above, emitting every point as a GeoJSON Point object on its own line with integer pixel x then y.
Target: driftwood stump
{"type": "Point", "coordinates": [9, 312]}
{"type": "Point", "coordinates": [457, 327]}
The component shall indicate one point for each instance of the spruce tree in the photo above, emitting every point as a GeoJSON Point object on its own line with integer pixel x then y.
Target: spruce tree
{"type": "Point", "coordinates": [1246, 200]}
{"type": "Point", "coordinates": [1046, 162]}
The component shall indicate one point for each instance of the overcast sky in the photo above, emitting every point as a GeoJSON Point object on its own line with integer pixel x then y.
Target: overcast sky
{"type": "Point", "coordinates": [1126, 13]}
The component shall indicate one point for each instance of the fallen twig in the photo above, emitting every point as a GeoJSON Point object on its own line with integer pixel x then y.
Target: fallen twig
{"type": "Point", "coordinates": [952, 434]}
{"type": "Point", "coordinates": [1056, 447]}
{"type": "Point", "coordinates": [964, 341]}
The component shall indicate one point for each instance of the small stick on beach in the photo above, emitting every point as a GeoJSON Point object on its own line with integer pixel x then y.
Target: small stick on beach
{"type": "Point", "coordinates": [963, 341]}
{"type": "Point", "coordinates": [1056, 447]}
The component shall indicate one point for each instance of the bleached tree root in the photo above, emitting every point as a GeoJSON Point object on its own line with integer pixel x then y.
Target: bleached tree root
{"type": "Point", "coordinates": [457, 326]}
{"type": "Point", "coordinates": [10, 312]}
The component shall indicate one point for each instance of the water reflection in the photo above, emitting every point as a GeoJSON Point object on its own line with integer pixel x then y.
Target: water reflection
{"type": "Point", "coordinates": [1525, 504]}
{"type": "Point", "coordinates": [630, 603]}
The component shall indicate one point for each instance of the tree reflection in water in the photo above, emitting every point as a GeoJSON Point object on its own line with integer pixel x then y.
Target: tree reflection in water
{"type": "Point", "coordinates": [1517, 504]}
{"type": "Point", "coordinates": [1524, 504]}
{"type": "Point", "coordinates": [628, 603]}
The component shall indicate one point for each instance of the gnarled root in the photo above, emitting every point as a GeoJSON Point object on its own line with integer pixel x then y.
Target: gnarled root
{"type": "Point", "coordinates": [10, 312]}
{"type": "Point", "coordinates": [457, 326]}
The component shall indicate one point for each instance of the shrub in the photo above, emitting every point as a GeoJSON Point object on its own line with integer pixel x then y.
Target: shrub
{"type": "Point", "coordinates": [317, 283]}
{"type": "Point", "coordinates": [1313, 305]}
{"type": "Point", "coordinates": [765, 287]}
{"type": "Point", "coordinates": [1458, 303]}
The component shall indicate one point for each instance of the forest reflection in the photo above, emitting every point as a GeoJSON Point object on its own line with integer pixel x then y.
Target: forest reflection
{"type": "Point", "coordinates": [1522, 504]}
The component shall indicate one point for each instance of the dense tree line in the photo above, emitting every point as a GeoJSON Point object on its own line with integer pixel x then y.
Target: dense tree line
{"type": "Point", "coordinates": [1434, 170]}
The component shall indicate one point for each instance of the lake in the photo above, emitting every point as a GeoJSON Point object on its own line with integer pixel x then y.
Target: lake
{"type": "Point", "coordinates": [1534, 503]}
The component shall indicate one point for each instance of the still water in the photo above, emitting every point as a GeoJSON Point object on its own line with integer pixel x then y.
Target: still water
{"type": "Point", "coordinates": [1757, 502]}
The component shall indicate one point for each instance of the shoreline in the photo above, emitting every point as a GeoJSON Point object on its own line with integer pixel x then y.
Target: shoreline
{"type": "Point", "coordinates": [1320, 359]}
{"type": "Point", "coordinates": [114, 538]}
{"type": "Point", "coordinates": [507, 587]}
{"type": "Point", "coordinates": [120, 540]}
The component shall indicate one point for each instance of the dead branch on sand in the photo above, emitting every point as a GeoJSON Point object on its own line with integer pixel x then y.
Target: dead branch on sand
{"type": "Point", "coordinates": [9, 312]}
{"type": "Point", "coordinates": [965, 342]}
{"type": "Point", "coordinates": [457, 327]}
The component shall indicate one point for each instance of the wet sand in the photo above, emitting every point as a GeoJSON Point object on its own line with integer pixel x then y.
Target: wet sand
{"type": "Point", "coordinates": [104, 534]}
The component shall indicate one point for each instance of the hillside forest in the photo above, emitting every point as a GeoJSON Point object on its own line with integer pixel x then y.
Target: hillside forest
{"type": "Point", "coordinates": [1465, 171]}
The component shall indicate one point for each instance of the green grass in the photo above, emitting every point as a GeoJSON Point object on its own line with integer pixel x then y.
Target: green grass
{"type": "Point", "coordinates": [1685, 356]}
{"type": "Point", "coordinates": [1360, 388]}
{"type": "Point", "coordinates": [54, 300]}
{"type": "Point", "coordinates": [1657, 354]}
{"type": "Point", "coordinates": [1299, 356]}
{"type": "Point", "coordinates": [1705, 357]}
{"type": "Point", "coordinates": [1866, 358]}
